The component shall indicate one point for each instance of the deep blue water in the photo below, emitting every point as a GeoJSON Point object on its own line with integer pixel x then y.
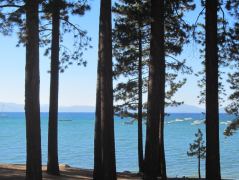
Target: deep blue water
{"type": "Point", "coordinates": [76, 139]}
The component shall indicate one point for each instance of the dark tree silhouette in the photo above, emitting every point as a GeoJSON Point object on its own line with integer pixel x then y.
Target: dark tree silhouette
{"type": "Point", "coordinates": [154, 148]}
{"type": "Point", "coordinates": [57, 11]}
{"type": "Point", "coordinates": [104, 108]}
{"type": "Point", "coordinates": [98, 164]}
{"type": "Point", "coordinates": [212, 114]}
{"type": "Point", "coordinates": [11, 13]}
{"type": "Point", "coordinates": [198, 149]}
{"type": "Point", "coordinates": [131, 36]}
{"type": "Point", "coordinates": [32, 82]}
{"type": "Point", "coordinates": [52, 163]}
{"type": "Point", "coordinates": [52, 13]}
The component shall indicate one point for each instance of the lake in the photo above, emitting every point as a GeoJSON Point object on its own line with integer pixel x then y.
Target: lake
{"type": "Point", "coordinates": [76, 140]}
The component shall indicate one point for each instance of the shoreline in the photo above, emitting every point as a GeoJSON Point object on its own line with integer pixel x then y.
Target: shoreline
{"type": "Point", "coordinates": [17, 171]}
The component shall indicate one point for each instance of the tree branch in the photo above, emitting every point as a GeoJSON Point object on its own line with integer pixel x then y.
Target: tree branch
{"type": "Point", "coordinates": [74, 26]}
{"type": "Point", "coordinates": [195, 24]}
{"type": "Point", "coordinates": [11, 5]}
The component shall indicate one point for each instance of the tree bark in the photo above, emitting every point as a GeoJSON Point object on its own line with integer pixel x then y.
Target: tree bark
{"type": "Point", "coordinates": [212, 117]}
{"type": "Point", "coordinates": [199, 162]}
{"type": "Point", "coordinates": [154, 150]}
{"type": "Point", "coordinates": [158, 30]}
{"type": "Point", "coordinates": [32, 84]}
{"type": "Point", "coordinates": [106, 93]}
{"type": "Point", "coordinates": [162, 165]}
{"type": "Point", "coordinates": [98, 174]}
{"type": "Point", "coordinates": [52, 164]}
{"type": "Point", "coordinates": [140, 102]}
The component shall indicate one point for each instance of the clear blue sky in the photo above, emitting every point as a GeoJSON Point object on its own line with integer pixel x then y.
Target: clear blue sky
{"type": "Point", "coordinates": [77, 84]}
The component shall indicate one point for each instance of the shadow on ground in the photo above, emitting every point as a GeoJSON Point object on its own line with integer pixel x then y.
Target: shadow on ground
{"type": "Point", "coordinates": [17, 172]}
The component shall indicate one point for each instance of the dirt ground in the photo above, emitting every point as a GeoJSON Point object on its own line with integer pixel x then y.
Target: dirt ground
{"type": "Point", "coordinates": [17, 172]}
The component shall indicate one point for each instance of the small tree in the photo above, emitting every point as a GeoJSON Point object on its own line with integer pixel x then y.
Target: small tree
{"type": "Point", "coordinates": [198, 149]}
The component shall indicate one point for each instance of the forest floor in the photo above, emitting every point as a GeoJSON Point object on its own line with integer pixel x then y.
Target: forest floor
{"type": "Point", "coordinates": [17, 172]}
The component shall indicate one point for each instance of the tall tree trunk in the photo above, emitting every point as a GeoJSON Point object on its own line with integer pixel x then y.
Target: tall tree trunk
{"type": "Point", "coordinates": [212, 117]}
{"type": "Point", "coordinates": [199, 163]}
{"type": "Point", "coordinates": [140, 102]}
{"type": "Point", "coordinates": [98, 174]}
{"type": "Point", "coordinates": [162, 165]}
{"type": "Point", "coordinates": [106, 94]}
{"type": "Point", "coordinates": [159, 55]}
{"type": "Point", "coordinates": [52, 164]}
{"type": "Point", "coordinates": [32, 83]}
{"type": "Point", "coordinates": [154, 150]}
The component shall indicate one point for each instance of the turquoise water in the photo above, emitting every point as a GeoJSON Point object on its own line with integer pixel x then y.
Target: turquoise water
{"type": "Point", "coordinates": [76, 139]}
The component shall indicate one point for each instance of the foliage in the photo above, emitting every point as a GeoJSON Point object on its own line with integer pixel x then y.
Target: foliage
{"type": "Point", "coordinates": [12, 17]}
{"type": "Point", "coordinates": [233, 77]}
{"type": "Point", "coordinates": [232, 128]}
{"type": "Point", "coordinates": [225, 45]}
{"type": "Point", "coordinates": [233, 7]}
{"type": "Point", "coordinates": [132, 29]}
{"type": "Point", "coordinates": [198, 148]}
{"type": "Point", "coordinates": [80, 39]}
{"type": "Point", "coordinates": [233, 107]}
{"type": "Point", "coordinates": [11, 12]}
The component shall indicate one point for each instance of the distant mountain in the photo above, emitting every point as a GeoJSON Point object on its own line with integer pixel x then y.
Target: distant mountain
{"type": "Point", "coordinates": [76, 109]}
{"type": "Point", "coordinates": [185, 108]}
{"type": "Point", "coordinates": [13, 107]}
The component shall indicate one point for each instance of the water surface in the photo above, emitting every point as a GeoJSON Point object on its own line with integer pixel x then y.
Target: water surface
{"type": "Point", "coordinates": [76, 140]}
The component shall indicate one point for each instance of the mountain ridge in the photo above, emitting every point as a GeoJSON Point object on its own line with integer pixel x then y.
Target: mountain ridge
{"type": "Point", "coordinates": [14, 107]}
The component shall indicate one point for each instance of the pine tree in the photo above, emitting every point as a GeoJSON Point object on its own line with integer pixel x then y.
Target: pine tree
{"type": "Point", "coordinates": [11, 14]}
{"type": "Point", "coordinates": [104, 124]}
{"type": "Point", "coordinates": [227, 42]}
{"type": "Point", "coordinates": [212, 114]}
{"type": "Point", "coordinates": [32, 82]}
{"type": "Point", "coordinates": [57, 11]}
{"type": "Point", "coordinates": [198, 149]}
{"type": "Point", "coordinates": [52, 163]}
{"type": "Point", "coordinates": [217, 42]}
{"type": "Point", "coordinates": [156, 92]}
{"type": "Point", "coordinates": [129, 34]}
{"type": "Point", "coordinates": [131, 37]}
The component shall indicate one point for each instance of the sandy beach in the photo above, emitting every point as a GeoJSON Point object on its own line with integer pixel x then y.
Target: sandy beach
{"type": "Point", "coordinates": [17, 172]}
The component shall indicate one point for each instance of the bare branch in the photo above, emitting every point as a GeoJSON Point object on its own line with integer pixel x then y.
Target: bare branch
{"type": "Point", "coordinates": [195, 24]}
{"type": "Point", "coordinates": [11, 5]}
